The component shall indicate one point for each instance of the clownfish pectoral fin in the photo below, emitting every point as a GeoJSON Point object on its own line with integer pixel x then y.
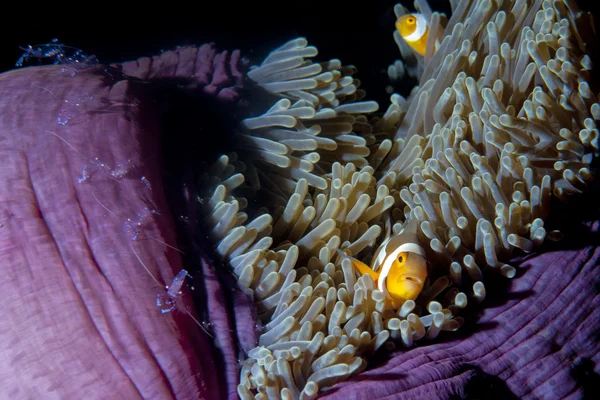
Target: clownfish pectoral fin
{"type": "Point", "coordinates": [362, 268]}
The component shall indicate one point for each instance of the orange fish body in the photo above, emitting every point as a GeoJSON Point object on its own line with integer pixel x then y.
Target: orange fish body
{"type": "Point", "coordinates": [399, 268]}
{"type": "Point", "coordinates": [414, 29]}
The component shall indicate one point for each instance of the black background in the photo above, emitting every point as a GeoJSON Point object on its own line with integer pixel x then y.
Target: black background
{"type": "Point", "coordinates": [358, 35]}
{"type": "Point", "coordinates": [113, 31]}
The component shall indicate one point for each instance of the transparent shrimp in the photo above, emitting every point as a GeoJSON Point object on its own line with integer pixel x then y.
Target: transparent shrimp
{"type": "Point", "coordinates": [166, 301]}
{"type": "Point", "coordinates": [55, 53]}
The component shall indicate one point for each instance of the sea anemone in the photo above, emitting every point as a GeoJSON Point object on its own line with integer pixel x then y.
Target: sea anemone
{"type": "Point", "coordinates": [502, 119]}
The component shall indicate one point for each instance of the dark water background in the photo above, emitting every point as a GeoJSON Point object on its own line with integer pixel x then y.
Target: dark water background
{"type": "Point", "coordinates": [113, 31]}
{"type": "Point", "coordinates": [116, 31]}
{"type": "Point", "coordinates": [361, 36]}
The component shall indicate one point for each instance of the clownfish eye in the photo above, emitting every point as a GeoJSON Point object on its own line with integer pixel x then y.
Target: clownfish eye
{"type": "Point", "coordinates": [411, 20]}
{"type": "Point", "coordinates": [400, 259]}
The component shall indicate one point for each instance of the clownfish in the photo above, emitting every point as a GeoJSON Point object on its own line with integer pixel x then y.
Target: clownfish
{"type": "Point", "coordinates": [414, 29]}
{"type": "Point", "coordinates": [399, 266]}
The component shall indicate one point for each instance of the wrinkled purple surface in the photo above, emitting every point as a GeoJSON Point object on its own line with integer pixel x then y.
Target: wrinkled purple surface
{"type": "Point", "coordinates": [78, 308]}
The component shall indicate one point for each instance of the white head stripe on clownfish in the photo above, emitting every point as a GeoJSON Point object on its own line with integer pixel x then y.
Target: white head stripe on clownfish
{"type": "Point", "coordinates": [406, 235]}
{"type": "Point", "coordinates": [389, 260]}
{"type": "Point", "coordinates": [381, 255]}
{"type": "Point", "coordinates": [420, 28]}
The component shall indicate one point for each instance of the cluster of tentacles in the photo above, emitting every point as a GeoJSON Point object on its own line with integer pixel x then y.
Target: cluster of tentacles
{"type": "Point", "coordinates": [503, 118]}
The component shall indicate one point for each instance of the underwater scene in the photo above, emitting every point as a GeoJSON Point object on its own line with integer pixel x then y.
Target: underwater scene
{"type": "Point", "coordinates": [314, 200]}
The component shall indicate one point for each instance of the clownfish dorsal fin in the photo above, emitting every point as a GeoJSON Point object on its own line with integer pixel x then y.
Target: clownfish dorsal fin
{"type": "Point", "coordinates": [388, 225]}
{"type": "Point", "coordinates": [380, 254]}
{"type": "Point", "coordinates": [407, 238]}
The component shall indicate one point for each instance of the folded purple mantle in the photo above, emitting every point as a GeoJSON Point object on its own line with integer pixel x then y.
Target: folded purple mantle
{"type": "Point", "coordinates": [81, 195]}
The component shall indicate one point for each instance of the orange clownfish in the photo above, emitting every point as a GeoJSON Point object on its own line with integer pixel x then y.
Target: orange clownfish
{"type": "Point", "coordinates": [414, 29]}
{"type": "Point", "coordinates": [399, 267]}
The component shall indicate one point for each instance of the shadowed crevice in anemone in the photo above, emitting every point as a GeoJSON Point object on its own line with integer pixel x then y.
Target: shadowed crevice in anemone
{"type": "Point", "coordinates": [197, 124]}
{"type": "Point", "coordinates": [589, 381]}
{"type": "Point", "coordinates": [196, 130]}
{"type": "Point", "coordinates": [485, 386]}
